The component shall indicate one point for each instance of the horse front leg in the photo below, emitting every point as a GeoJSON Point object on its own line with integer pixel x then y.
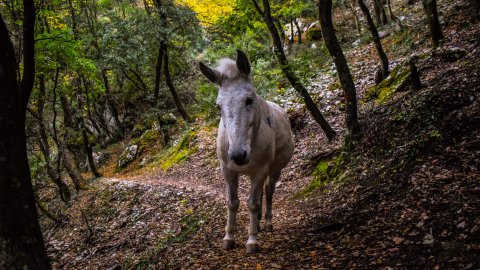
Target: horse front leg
{"type": "Point", "coordinates": [232, 205]}
{"type": "Point", "coordinates": [256, 189]}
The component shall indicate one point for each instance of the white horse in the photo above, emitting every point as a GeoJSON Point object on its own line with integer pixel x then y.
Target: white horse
{"type": "Point", "coordinates": [254, 139]}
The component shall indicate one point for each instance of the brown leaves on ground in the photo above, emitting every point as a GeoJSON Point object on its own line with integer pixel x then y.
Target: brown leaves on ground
{"type": "Point", "coordinates": [411, 198]}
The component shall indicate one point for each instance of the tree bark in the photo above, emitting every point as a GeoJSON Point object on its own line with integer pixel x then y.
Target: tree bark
{"type": "Point", "coordinates": [109, 101]}
{"type": "Point", "coordinates": [168, 78]}
{"type": "Point", "coordinates": [352, 130]}
{"type": "Point", "coordinates": [299, 33]}
{"type": "Point", "coordinates": [355, 16]}
{"type": "Point", "coordinates": [158, 71]}
{"type": "Point", "coordinates": [414, 74]}
{"type": "Point", "coordinates": [390, 11]}
{"type": "Point", "coordinates": [43, 142]}
{"type": "Point", "coordinates": [289, 73]}
{"type": "Point", "coordinates": [86, 142]}
{"type": "Point", "coordinates": [430, 7]}
{"type": "Point", "coordinates": [376, 11]}
{"type": "Point", "coordinates": [376, 38]}
{"type": "Point", "coordinates": [21, 241]}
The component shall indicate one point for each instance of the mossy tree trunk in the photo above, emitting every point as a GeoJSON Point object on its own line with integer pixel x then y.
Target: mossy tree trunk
{"type": "Point", "coordinates": [376, 39]}
{"type": "Point", "coordinates": [430, 7]}
{"type": "Point", "coordinates": [288, 71]}
{"type": "Point", "coordinates": [21, 242]}
{"type": "Point", "coordinates": [352, 130]}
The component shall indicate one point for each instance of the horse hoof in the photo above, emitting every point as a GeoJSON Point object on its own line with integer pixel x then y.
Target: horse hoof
{"type": "Point", "coordinates": [269, 228]}
{"type": "Point", "coordinates": [252, 248]}
{"type": "Point", "coordinates": [228, 244]}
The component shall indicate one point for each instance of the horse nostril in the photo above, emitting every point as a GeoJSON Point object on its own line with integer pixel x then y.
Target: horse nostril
{"type": "Point", "coordinates": [244, 154]}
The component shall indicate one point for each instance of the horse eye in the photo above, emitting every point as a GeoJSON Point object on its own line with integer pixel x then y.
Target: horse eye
{"type": "Point", "coordinates": [218, 107]}
{"type": "Point", "coordinates": [249, 101]}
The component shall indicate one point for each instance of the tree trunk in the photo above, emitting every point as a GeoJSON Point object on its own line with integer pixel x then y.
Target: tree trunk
{"type": "Point", "coordinates": [166, 71]}
{"type": "Point", "coordinates": [86, 142]}
{"type": "Point", "coordinates": [430, 7]}
{"type": "Point", "coordinates": [390, 11]}
{"type": "Point", "coordinates": [382, 12]}
{"type": "Point", "coordinates": [376, 11]}
{"type": "Point", "coordinates": [292, 34]}
{"type": "Point", "coordinates": [355, 16]}
{"type": "Point", "coordinates": [110, 104]}
{"type": "Point", "coordinates": [158, 71]}
{"type": "Point", "coordinates": [414, 75]}
{"type": "Point", "coordinates": [21, 239]}
{"type": "Point", "coordinates": [43, 142]}
{"type": "Point", "coordinates": [352, 130]}
{"type": "Point", "coordinates": [376, 38]}
{"type": "Point", "coordinates": [297, 24]}
{"type": "Point", "coordinates": [289, 73]}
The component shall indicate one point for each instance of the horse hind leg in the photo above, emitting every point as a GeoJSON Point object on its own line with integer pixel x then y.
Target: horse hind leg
{"type": "Point", "coordinates": [269, 190]}
{"type": "Point", "coordinates": [253, 204]}
{"type": "Point", "coordinates": [232, 205]}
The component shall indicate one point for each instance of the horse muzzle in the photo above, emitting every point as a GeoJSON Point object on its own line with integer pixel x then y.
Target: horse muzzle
{"type": "Point", "coordinates": [239, 157]}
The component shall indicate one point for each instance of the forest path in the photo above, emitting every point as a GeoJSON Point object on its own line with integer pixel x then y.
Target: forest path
{"type": "Point", "coordinates": [200, 179]}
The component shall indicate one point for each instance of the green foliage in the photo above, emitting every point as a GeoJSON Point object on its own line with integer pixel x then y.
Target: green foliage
{"type": "Point", "coordinates": [314, 34]}
{"type": "Point", "coordinates": [206, 100]}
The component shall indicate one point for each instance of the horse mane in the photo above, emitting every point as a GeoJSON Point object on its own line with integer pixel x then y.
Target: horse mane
{"type": "Point", "coordinates": [228, 68]}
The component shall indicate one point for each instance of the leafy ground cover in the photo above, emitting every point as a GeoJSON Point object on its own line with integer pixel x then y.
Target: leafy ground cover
{"type": "Point", "coordinates": [407, 197]}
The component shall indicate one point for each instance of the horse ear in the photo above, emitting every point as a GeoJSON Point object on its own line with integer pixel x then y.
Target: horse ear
{"type": "Point", "coordinates": [242, 63]}
{"type": "Point", "coordinates": [212, 74]}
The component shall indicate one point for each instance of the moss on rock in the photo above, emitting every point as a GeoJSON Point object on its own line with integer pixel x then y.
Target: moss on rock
{"type": "Point", "coordinates": [327, 171]}
{"type": "Point", "coordinates": [136, 147]}
{"type": "Point", "coordinates": [180, 152]}
{"type": "Point", "coordinates": [385, 90]}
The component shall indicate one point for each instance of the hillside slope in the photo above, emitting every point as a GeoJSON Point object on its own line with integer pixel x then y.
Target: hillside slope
{"type": "Point", "coordinates": [407, 197]}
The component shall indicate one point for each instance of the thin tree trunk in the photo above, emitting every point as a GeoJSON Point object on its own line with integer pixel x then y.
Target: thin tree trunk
{"type": "Point", "coordinates": [289, 73]}
{"type": "Point", "coordinates": [430, 7]}
{"type": "Point", "coordinates": [355, 16]}
{"type": "Point", "coordinates": [45, 210]}
{"type": "Point", "coordinates": [382, 12]}
{"type": "Point", "coordinates": [109, 101]}
{"type": "Point", "coordinates": [166, 70]}
{"type": "Point", "coordinates": [414, 74]}
{"type": "Point", "coordinates": [376, 38]}
{"type": "Point", "coordinates": [376, 11]}
{"type": "Point", "coordinates": [86, 142]}
{"type": "Point", "coordinates": [292, 34]}
{"type": "Point", "coordinates": [390, 11]}
{"type": "Point", "coordinates": [280, 29]}
{"type": "Point", "coordinates": [352, 130]}
{"type": "Point", "coordinates": [21, 240]}
{"type": "Point", "coordinates": [299, 32]}
{"type": "Point", "coordinates": [43, 142]}
{"type": "Point", "coordinates": [158, 71]}
{"type": "Point", "coordinates": [67, 112]}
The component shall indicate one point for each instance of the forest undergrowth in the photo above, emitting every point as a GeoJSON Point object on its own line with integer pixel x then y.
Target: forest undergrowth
{"type": "Point", "coordinates": [407, 196]}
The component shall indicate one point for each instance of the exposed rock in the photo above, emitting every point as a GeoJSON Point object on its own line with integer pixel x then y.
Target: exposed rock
{"type": "Point", "coordinates": [127, 156]}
